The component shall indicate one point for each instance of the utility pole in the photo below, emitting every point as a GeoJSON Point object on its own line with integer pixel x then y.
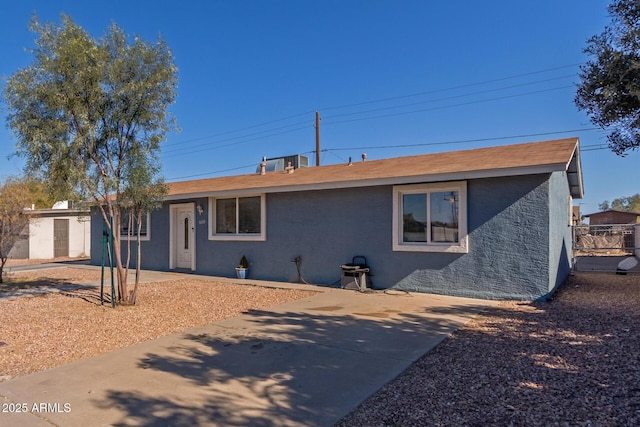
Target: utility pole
{"type": "Point", "coordinates": [317, 139]}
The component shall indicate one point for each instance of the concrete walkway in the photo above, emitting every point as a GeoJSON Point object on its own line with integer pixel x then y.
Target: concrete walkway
{"type": "Point", "coordinates": [304, 363]}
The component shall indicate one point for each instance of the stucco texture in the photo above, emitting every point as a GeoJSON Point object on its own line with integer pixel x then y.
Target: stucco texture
{"type": "Point", "coordinates": [508, 244]}
{"type": "Point", "coordinates": [517, 227]}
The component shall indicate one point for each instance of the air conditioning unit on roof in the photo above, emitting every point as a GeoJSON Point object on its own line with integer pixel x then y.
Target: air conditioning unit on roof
{"type": "Point", "coordinates": [279, 163]}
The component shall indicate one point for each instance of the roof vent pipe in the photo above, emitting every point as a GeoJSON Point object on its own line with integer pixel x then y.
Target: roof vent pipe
{"type": "Point", "coordinates": [289, 168]}
{"type": "Point", "coordinates": [263, 166]}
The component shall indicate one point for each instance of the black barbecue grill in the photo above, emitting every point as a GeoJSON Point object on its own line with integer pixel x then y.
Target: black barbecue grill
{"type": "Point", "coordinates": [356, 274]}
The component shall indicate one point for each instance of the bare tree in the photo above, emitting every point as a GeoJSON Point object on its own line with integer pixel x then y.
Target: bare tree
{"type": "Point", "coordinates": [141, 195]}
{"type": "Point", "coordinates": [14, 198]}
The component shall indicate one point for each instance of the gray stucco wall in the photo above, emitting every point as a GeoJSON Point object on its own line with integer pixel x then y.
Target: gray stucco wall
{"type": "Point", "coordinates": [560, 238]}
{"type": "Point", "coordinates": [514, 252]}
{"type": "Point", "coordinates": [155, 252]}
{"type": "Point", "coordinates": [325, 228]}
{"type": "Point", "coordinates": [508, 244]}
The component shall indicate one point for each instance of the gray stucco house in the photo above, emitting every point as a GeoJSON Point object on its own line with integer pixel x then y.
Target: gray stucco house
{"type": "Point", "coordinates": [487, 223]}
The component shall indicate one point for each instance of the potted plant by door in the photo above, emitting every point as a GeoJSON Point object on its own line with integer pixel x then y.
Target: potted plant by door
{"type": "Point", "coordinates": [242, 268]}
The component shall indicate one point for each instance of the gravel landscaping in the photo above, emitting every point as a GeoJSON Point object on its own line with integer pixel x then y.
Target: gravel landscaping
{"type": "Point", "coordinates": [571, 361]}
{"type": "Point", "coordinates": [43, 329]}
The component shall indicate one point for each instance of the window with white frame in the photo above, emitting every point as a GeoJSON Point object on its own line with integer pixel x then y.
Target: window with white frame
{"type": "Point", "coordinates": [129, 225]}
{"type": "Point", "coordinates": [237, 218]}
{"type": "Point", "coordinates": [430, 217]}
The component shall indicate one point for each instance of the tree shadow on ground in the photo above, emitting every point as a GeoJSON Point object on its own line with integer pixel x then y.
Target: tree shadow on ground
{"type": "Point", "coordinates": [547, 363]}
{"type": "Point", "coordinates": [16, 283]}
{"type": "Point", "coordinates": [280, 368]}
{"type": "Point", "coordinates": [17, 286]}
{"type": "Point", "coordinates": [571, 361]}
{"type": "Point", "coordinates": [90, 294]}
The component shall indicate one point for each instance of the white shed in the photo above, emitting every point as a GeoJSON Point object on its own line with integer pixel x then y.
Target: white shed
{"type": "Point", "coordinates": [62, 231]}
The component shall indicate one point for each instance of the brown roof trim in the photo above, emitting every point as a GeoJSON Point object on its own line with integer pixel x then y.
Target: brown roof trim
{"type": "Point", "coordinates": [613, 210]}
{"type": "Point", "coordinates": [506, 160]}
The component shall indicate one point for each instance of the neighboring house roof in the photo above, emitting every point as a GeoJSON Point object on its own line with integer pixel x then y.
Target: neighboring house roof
{"type": "Point", "coordinates": [57, 212]}
{"type": "Point", "coordinates": [506, 160]}
{"type": "Point", "coordinates": [615, 211]}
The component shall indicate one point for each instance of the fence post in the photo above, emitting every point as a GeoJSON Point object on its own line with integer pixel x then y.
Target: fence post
{"type": "Point", "coordinates": [637, 235]}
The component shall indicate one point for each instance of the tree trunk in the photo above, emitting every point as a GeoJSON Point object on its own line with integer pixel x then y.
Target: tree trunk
{"type": "Point", "coordinates": [126, 265]}
{"type": "Point", "coordinates": [138, 262]}
{"type": "Point", "coordinates": [3, 261]}
{"type": "Point", "coordinates": [122, 277]}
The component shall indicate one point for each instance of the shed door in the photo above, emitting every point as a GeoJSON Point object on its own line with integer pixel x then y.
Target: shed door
{"type": "Point", "coordinates": [60, 238]}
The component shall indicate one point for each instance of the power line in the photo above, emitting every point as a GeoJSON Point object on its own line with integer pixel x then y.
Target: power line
{"type": "Point", "coordinates": [210, 146]}
{"type": "Point", "coordinates": [211, 173]}
{"type": "Point", "coordinates": [592, 147]}
{"type": "Point", "coordinates": [450, 88]}
{"type": "Point", "coordinates": [449, 106]}
{"type": "Point", "coordinates": [189, 151]}
{"type": "Point", "coordinates": [424, 144]}
{"type": "Point", "coordinates": [180, 151]}
{"type": "Point", "coordinates": [238, 130]}
{"type": "Point", "coordinates": [451, 97]}
{"type": "Point", "coordinates": [236, 137]}
{"type": "Point", "coordinates": [365, 103]}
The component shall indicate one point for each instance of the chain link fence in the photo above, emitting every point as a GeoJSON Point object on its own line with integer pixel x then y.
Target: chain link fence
{"type": "Point", "coordinates": [606, 239]}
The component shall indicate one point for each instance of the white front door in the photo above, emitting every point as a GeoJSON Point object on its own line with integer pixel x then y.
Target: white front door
{"type": "Point", "coordinates": [183, 237]}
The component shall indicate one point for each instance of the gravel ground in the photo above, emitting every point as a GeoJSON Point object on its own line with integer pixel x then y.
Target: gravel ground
{"type": "Point", "coordinates": [41, 331]}
{"type": "Point", "coordinates": [572, 361]}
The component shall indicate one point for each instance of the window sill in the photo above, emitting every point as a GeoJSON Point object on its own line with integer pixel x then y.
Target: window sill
{"type": "Point", "coordinates": [126, 238]}
{"type": "Point", "coordinates": [239, 237]}
{"type": "Point", "coordinates": [460, 248]}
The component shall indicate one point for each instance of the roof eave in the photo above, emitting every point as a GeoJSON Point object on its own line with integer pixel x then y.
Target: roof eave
{"type": "Point", "coordinates": [370, 182]}
{"type": "Point", "coordinates": [574, 174]}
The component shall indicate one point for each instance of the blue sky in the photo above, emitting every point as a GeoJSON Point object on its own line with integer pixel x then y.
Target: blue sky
{"type": "Point", "coordinates": [410, 76]}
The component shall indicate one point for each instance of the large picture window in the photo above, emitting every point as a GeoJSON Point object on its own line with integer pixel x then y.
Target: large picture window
{"type": "Point", "coordinates": [430, 217]}
{"type": "Point", "coordinates": [237, 218]}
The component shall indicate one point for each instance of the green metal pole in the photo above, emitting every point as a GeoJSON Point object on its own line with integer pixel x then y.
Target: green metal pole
{"type": "Point", "coordinates": [113, 289]}
{"type": "Point", "coordinates": [104, 244]}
